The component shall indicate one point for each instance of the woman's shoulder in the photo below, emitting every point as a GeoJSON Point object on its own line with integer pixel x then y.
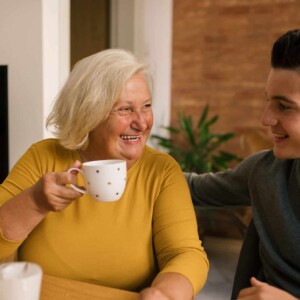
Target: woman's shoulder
{"type": "Point", "coordinates": [45, 143]}
{"type": "Point", "coordinates": [51, 149]}
{"type": "Point", "coordinates": [158, 156]}
{"type": "Point", "coordinates": [158, 161]}
{"type": "Point", "coordinates": [49, 144]}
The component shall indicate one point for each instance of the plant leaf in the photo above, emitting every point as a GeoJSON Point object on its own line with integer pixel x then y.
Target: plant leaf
{"type": "Point", "coordinates": [203, 116]}
{"type": "Point", "coordinates": [186, 123]}
{"type": "Point", "coordinates": [199, 152]}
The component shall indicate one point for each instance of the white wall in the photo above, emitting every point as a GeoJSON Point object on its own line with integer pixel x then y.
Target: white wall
{"type": "Point", "coordinates": [147, 31]}
{"type": "Point", "coordinates": [30, 32]}
{"type": "Point", "coordinates": [153, 41]}
{"type": "Point", "coordinates": [56, 51]}
{"type": "Point", "coordinates": [35, 44]}
{"type": "Point", "coordinates": [21, 50]}
{"type": "Point", "coordinates": [122, 24]}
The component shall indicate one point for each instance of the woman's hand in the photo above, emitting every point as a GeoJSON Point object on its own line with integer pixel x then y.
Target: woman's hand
{"type": "Point", "coordinates": [263, 291]}
{"type": "Point", "coordinates": [168, 286]}
{"type": "Point", "coordinates": [50, 193]}
{"type": "Point", "coordinates": [152, 294]}
{"type": "Point", "coordinates": [26, 210]}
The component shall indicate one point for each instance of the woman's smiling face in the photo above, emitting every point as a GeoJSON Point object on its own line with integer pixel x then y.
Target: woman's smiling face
{"type": "Point", "coordinates": [125, 133]}
{"type": "Point", "coordinates": [282, 112]}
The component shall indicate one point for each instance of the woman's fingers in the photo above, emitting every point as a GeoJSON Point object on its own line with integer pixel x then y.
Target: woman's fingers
{"type": "Point", "coordinates": [76, 164]}
{"type": "Point", "coordinates": [52, 193]}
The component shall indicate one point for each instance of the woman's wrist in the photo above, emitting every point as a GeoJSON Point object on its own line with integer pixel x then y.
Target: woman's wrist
{"type": "Point", "coordinates": [21, 211]}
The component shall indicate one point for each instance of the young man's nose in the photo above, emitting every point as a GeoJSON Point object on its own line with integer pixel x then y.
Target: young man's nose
{"type": "Point", "coordinates": [268, 118]}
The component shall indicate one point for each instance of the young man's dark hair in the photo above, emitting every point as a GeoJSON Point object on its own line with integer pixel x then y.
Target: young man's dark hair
{"type": "Point", "coordinates": [286, 51]}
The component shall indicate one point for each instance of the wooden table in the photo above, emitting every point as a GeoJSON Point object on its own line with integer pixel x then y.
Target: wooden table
{"type": "Point", "coordinates": [54, 288]}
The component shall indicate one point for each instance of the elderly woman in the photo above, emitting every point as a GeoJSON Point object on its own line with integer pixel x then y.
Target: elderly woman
{"type": "Point", "coordinates": [145, 242]}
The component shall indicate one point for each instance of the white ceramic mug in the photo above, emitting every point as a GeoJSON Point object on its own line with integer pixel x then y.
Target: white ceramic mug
{"type": "Point", "coordinates": [105, 180]}
{"type": "Point", "coordinates": [20, 281]}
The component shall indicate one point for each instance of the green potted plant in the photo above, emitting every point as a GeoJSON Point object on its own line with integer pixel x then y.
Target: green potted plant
{"type": "Point", "coordinates": [197, 149]}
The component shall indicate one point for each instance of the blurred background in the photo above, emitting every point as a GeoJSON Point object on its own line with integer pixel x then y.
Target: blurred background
{"type": "Point", "coordinates": [211, 53]}
{"type": "Point", "coordinates": [201, 52]}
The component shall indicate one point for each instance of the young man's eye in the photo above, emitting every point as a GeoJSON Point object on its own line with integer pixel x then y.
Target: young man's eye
{"type": "Point", "coordinates": [283, 106]}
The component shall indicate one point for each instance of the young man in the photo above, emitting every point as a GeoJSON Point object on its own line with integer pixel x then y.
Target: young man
{"type": "Point", "coordinates": [269, 180]}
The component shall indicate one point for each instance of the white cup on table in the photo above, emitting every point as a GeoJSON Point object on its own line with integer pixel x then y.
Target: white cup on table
{"type": "Point", "coordinates": [105, 180]}
{"type": "Point", "coordinates": [20, 281]}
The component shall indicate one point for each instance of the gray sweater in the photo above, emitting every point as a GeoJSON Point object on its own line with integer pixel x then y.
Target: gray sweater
{"type": "Point", "coordinates": [272, 187]}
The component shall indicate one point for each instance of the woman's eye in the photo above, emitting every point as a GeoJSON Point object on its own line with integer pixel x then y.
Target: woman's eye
{"type": "Point", "coordinates": [147, 106]}
{"type": "Point", "coordinates": [124, 109]}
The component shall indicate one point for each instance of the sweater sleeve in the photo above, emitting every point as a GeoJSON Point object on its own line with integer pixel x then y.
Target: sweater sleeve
{"type": "Point", "coordinates": [42, 157]}
{"type": "Point", "coordinates": [176, 239]}
{"type": "Point", "coordinates": [228, 188]}
{"type": "Point", "coordinates": [23, 175]}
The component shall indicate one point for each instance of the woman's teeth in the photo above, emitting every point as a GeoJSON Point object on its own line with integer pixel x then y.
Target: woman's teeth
{"type": "Point", "coordinates": [130, 138]}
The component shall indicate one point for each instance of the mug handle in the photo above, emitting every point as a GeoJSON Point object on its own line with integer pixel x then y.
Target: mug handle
{"type": "Point", "coordinates": [75, 187]}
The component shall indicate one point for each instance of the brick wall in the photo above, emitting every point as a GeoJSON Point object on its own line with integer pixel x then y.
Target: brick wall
{"type": "Point", "coordinates": [221, 54]}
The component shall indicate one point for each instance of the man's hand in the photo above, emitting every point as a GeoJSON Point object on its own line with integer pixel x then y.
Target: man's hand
{"type": "Point", "coordinates": [263, 291]}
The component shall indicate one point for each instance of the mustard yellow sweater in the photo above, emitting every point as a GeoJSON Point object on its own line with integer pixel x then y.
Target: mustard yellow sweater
{"type": "Point", "coordinates": [122, 244]}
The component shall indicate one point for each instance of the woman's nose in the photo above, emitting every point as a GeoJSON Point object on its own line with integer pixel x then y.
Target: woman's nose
{"type": "Point", "coordinates": [139, 121]}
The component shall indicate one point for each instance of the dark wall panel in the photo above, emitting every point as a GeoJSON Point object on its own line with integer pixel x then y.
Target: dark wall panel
{"type": "Point", "coordinates": [3, 122]}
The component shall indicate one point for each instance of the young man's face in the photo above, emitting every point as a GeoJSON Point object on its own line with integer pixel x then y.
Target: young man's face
{"type": "Point", "coordinates": [282, 112]}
